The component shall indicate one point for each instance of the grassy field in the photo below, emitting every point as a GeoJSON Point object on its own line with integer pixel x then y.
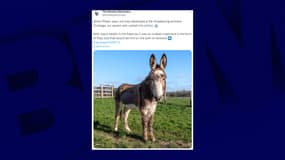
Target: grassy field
{"type": "Point", "coordinates": [172, 126]}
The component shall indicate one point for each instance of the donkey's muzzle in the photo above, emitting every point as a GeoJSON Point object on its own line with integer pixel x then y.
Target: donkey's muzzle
{"type": "Point", "coordinates": [157, 98]}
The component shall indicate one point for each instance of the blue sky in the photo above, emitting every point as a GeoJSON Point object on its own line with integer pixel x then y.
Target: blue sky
{"type": "Point", "coordinates": [117, 67]}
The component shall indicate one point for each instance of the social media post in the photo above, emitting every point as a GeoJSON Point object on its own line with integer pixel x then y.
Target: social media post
{"type": "Point", "coordinates": [137, 30]}
{"type": "Point", "coordinates": [142, 90]}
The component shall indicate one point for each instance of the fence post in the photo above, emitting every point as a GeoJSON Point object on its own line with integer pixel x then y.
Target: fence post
{"type": "Point", "coordinates": [164, 98]}
{"type": "Point", "coordinates": [112, 91]}
{"type": "Point", "coordinates": [102, 93]}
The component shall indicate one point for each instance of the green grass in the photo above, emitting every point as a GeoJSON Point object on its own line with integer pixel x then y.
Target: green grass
{"type": "Point", "coordinates": [172, 126]}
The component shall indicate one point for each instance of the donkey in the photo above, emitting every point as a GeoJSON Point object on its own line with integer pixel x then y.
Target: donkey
{"type": "Point", "coordinates": [143, 96]}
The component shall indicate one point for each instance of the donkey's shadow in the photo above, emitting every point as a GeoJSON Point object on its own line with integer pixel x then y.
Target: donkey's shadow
{"type": "Point", "coordinates": [107, 129]}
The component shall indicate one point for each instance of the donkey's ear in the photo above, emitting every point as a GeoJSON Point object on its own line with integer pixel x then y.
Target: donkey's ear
{"type": "Point", "coordinates": [163, 61]}
{"type": "Point", "coordinates": [152, 61]}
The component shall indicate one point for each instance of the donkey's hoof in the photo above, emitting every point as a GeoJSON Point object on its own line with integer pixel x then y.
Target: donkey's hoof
{"type": "Point", "coordinates": [145, 140]}
{"type": "Point", "coordinates": [128, 130]}
{"type": "Point", "coordinates": [153, 139]}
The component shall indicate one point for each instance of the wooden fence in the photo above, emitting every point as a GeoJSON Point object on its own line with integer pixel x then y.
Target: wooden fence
{"type": "Point", "coordinates": [104, 91]}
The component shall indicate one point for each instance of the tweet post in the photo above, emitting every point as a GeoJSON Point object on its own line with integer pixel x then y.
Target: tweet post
{"type": "Point", "coordinates": [142, 79]}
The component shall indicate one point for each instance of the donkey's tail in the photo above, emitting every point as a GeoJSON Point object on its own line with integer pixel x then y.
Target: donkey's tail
{"type": "Point", "coordinates": [121, 114]}
{"type": "Point", "coordinates": [117, 94]}
{"type": "Point", "coordinates": [118, 99]}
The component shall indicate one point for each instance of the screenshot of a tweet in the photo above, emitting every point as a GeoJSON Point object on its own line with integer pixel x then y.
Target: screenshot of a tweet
{"type": "Point", "coordinates": [142, 79]}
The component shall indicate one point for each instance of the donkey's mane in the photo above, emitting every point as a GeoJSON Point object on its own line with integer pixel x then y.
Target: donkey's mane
{"type": "Point", "coordinates": [145, 91]}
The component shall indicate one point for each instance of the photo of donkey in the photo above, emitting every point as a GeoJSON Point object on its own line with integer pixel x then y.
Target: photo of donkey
{"type": "Point", "coordinates": [142, 99]}
{"type": "Point", "coordinates": [144, 96]}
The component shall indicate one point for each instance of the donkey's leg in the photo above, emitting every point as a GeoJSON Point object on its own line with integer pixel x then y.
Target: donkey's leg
{"type": "Point", "coordinates": [150, 129]}
{"type": "Point", "coordinates": [117, 115]}
{"type": "Point", "coordinates": [145, 120]}
{"type": "Point", "coordinates": [127, 111]}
